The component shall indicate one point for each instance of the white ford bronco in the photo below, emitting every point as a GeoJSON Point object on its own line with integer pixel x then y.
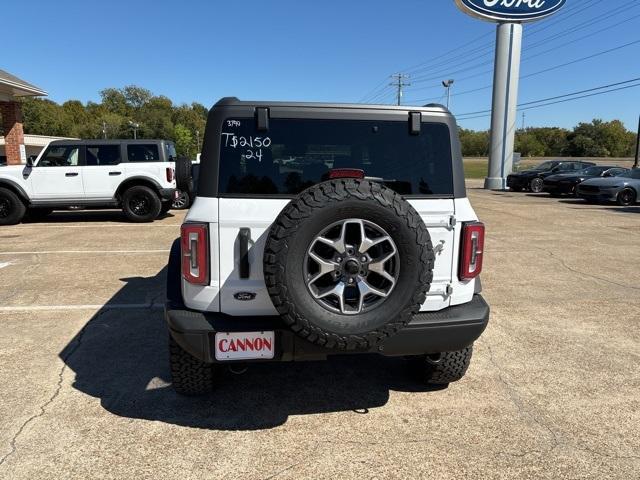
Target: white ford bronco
{"type": "Point", "coordinates": [326, 229]}
{"type": "Point", "coordinates": [138, 176]}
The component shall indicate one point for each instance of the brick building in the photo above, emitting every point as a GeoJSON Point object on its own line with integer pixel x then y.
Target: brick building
{"type": "Point", "coordinates": [11, 89]}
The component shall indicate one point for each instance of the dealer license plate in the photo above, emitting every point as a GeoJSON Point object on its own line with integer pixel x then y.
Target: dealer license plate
{"type": "Point", "coordinates": [244, 345]}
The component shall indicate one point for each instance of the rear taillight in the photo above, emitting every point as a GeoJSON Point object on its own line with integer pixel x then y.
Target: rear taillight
{"type": "Point", "coordinates": [170, 174]}
{"type": "Point", "coordinates": [195, 258]}
{"type": "Point", "coordinates": [346, 173]}
{"type": "Point", "coordinates": [471, 250]}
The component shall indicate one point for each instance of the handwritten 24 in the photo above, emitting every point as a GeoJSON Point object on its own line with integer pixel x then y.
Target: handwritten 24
{"type": "Point", "coordinates": [252, 146]}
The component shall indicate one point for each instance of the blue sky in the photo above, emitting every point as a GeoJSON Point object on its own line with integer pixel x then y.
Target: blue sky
{"type": "Point", "coordinates": [318, 51]}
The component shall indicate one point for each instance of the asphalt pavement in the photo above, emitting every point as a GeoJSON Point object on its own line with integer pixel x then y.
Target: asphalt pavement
{"type": "Point", "coordinates": [553, 390]}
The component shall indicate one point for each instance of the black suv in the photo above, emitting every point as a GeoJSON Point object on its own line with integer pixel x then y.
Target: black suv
{"type": "Point", "coordinates": [533, 179]}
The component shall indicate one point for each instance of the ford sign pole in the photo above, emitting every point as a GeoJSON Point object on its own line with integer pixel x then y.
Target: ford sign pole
{"type": "Point", "coordinates": [506, 76]}
{"type": "Point", "coordinates": [635, 164]}
{"type": "Point", "coordinates": [509, 14]}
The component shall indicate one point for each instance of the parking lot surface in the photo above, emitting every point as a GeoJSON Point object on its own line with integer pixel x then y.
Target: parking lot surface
{"type": "Point", "coordinates": [553, 390]}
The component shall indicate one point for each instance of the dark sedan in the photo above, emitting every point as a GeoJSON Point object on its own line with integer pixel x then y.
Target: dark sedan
{"type": "Point", "coordinates": [566, 183]}
{"type": "Point", "coordinates": [533, 179]}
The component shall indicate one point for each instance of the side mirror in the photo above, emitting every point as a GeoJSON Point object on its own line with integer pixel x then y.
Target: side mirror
{"type": "Point", "coordinates": [30, 160]}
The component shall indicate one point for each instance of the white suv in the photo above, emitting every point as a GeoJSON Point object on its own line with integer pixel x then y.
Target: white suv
{"type": "Point", "coordinates": [138, 176]}
{"type": "Point", "coordinates": [324, 229]}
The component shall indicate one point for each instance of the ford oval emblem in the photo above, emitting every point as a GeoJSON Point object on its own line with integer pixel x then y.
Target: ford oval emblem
{"type": "Point", "coordinates": [244, 296]}
{"type": "Point", "coordinates": [510, 10]}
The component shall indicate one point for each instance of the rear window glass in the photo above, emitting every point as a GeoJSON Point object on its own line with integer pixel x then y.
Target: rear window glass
{"type": "Point", "coordinates": [171, 152]}
{"type": "Point", "coordinates": [143, 153]}
{"type": "Point", "coordinates": [295, 154]}
{"type": "Point", "coordinates": [103, 154]}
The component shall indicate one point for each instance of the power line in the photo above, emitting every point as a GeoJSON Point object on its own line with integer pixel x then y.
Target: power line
{"type": "Point", "coordinates": [489, 45]}
{"type": "Point", "coordinates": [545, 70]}
{"type": "Point", "coordinates": [562, 96]}
{"type": "Point", "coordinates": [588, 23]}
{"type": "Point", "coordinates": [546, 101]}
{"type": "Point", "coordinates": [487, 48]}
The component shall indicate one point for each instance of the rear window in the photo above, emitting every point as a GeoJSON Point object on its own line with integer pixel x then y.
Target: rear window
{"type": "Point", "coordinates": [171, 152]}
{"type": "Point", "coordinates": [143, 153]}
{"type": "Point", "coordinates": [295, 154]}
{"type": "Point", "coordinates": [103, 154]}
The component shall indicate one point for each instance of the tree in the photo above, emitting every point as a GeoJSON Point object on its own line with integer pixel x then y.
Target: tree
{"type": "Point", "coordinates": [528, 145]}
{"type": "Point", "coordinates": [553, 139]}
{"type": "Point", "coordinates": [183, 140]}
{"type": "Point", "coordinates": [600, 139]}
{"type": "Point", "coordinates": [474, 144]}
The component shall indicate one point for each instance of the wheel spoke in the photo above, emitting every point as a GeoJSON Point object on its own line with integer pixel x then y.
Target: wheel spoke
{"type": "Point", "coordinates": [366, 289]}
{"type": "Point", "coordinates": [338, 245]}
{"type": "Point", "coordinates": [325, 266]}
{"type": "Point", "coordinates": [337, 290]}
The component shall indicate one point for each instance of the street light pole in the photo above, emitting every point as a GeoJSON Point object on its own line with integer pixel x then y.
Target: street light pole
{"type": "Point", "coordinates": [135, 127]}
{"type": "Point", "coordinates": [447, 84]}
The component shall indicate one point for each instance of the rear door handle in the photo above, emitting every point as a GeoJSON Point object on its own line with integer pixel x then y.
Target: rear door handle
{"type": "Point", "coordinates": [243, 239]}
{"type": "Point", "coordinates": [115, 173]}
{"type": "Point", "coordinates": [71, 174]}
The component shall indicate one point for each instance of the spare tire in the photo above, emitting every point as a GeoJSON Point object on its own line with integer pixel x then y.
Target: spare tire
{"type": "Point", "coordinates": [183, 173]}
{"type": "Point", "coordinates": [347, 263]}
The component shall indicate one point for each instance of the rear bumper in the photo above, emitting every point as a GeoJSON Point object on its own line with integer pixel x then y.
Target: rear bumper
{"type": "Point", "coordinates": [450, 329]}
{"type": "Point", "coordinates": [167, 194]}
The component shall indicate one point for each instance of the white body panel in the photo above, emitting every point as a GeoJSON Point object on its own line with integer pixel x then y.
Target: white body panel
{"type": "Point", "coordinates": [56, 183]}
{"type": "Point", "coordinates": [98, 183]}
{"type": "Point", "coordinates": [91, 182]}
{"type": "Point", "coordinates": [226, 216]}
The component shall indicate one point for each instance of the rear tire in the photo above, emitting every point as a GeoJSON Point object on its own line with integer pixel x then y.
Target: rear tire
{"type": "Point", "coordinates": [12, 209]}
{"type": "Point", "coordinates": [445, 367]}
{"type": "Point", "coordinates": [536, 185]}
{"type": "Point", "coordinates": [189, 375]}
{"type": "Point", "coordinates": [626, 197]}
{"type": "Point", "coordinates": [182, 200]}
{"type": "Point", "coordinates": [141, 204]}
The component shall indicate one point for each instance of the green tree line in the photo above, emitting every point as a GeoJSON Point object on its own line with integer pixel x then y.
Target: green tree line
{"type": "Point", "coordinates": [115, 115]}
{"type": "Point", "coordinates": [594, 139]}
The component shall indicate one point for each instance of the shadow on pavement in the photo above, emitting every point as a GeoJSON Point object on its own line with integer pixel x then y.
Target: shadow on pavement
{"type": "Point", "coordinates": [69, 216]}
{"type": "Point", "coordinates": [624, 209]}
{"type": "Point", "coordinates": [120, 357]}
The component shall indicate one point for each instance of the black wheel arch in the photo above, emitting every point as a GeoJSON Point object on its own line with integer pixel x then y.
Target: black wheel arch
{"type": "Point", "coordinates": [17, 189]}
{"type": "Point", "coordinates": [135, 181]}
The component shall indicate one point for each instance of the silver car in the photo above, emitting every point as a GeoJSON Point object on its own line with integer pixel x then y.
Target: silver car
{"type": "Point", "coordinates": [623, 189]}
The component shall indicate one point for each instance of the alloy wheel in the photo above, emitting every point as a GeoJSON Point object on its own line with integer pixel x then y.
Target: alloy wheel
{"type": "Point", "coordinates": [352, 266]}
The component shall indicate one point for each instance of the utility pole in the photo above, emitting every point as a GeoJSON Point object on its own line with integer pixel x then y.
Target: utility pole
{"type": "Point", "coordinates": [635, 164]}
{"type": "Point", "coordinates": [523, 115]}
{"type": "Point", "coordinates": [447, 84]}
{"type": "Point", "coordinates": [399, 83]}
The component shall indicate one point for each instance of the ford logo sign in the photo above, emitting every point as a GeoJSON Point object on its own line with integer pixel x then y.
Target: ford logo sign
{"type": "Point", "coordinates": [244, 296]}
{"type": "Point", "coordinates": [510, 10]}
